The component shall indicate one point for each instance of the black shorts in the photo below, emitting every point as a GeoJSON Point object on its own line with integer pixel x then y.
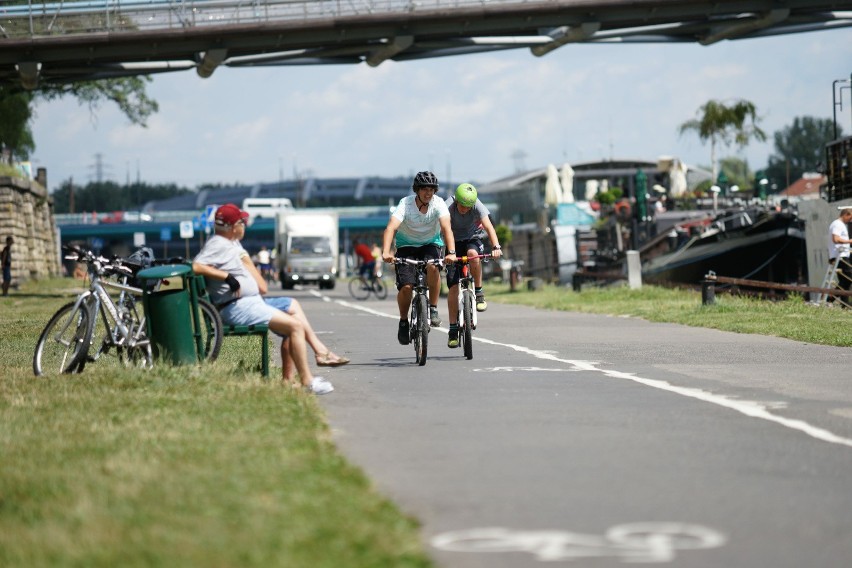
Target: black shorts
{"type": "Point", "coordinates": [407, 273]}
{"type": "Point", "coordinates": [462, 248]}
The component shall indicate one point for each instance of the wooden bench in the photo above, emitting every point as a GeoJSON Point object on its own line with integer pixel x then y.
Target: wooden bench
{"type": "Point", "coordinates": [260, 329]}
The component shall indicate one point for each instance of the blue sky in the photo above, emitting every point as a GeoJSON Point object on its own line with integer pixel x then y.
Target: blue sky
{"type": "Point", "coordinates": [467, 115]}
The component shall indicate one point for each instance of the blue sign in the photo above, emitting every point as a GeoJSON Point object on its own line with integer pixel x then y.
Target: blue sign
{"type": "Point", "coordinates": [207, 219]}
{"type": "Point", "coordinates": [165, 234]}
{"type": "Point", "coordinates": [97, 243]}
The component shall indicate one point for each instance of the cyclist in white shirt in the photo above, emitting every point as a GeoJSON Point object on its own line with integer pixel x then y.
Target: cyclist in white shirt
{"type": "Point", "coordinates": [416, 227]}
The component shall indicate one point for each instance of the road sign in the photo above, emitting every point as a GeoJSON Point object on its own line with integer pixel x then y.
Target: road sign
{"type": "Point", "coordinates": [209, 214]}
{"type": "Point", "coordinates": [165, 234]}
{"type": "Point", "coordinates": [186, 230]}
{"type": "Point", "coordinates": [139, 239]}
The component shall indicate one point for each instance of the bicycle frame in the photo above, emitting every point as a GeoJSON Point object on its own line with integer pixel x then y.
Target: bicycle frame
{"type": "Point", "coordinates": [124, 326]}
{"type": "Point", "coordinates": [466, 290]}
{"type": "Point", "coordinates": [419, 326]}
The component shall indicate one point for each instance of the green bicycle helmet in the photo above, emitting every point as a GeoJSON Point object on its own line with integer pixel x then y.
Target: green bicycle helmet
{"type": "Point", "coordinates": [466, 195]}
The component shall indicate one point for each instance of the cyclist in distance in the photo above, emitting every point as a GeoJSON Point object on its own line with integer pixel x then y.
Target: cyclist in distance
{"type": "Point", "coordinates": [416, 227]}
{"type": "Point", "coordinates": [469, 217]}
{"type": "Point", "coordinates": [367, 264]}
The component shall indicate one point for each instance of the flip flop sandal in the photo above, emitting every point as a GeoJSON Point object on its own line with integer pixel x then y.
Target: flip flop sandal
{"type": "Point", "coordinates": [327, 360]}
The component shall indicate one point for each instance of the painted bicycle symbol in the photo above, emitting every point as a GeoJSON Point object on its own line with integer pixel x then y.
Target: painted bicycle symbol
{"type": "Point", "coordinates": [634, 542]}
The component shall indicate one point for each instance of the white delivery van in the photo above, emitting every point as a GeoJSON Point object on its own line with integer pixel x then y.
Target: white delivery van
{"type": "Point", "coordinates": [307, 246]}
{"type": "Point", "coordinates": [265, 207]}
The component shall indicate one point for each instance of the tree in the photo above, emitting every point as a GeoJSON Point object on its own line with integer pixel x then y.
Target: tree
{"type": "Point", "coordinates": [721, 124]}
{"type": "Point", "coordinates": [799, 148]}
{"type": "Point", "coordinates": [110, 196]}
{"type": "Point", "coordinates": [16, 106]}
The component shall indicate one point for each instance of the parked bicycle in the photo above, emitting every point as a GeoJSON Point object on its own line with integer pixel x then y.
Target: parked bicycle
{"type": "Point", "coordinates": [65, 344]}
{"type": "Point", "coordinates": [467, 302]}
{"type": "Point", "coordinates": [418, 320]}
{"type": "Point", "coordinates": [360, 287]}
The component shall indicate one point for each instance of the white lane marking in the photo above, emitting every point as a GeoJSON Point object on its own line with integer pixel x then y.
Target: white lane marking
{"type": "Point", "coordinates": [748, 408]}
{"type": "Point", "coordinates": [632, 543]}
{"type": "Point", "coordinates": [510, 369]}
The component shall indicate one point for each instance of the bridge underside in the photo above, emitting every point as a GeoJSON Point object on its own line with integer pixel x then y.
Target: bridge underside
{"type": "Point", "coordinates": [62, 42]}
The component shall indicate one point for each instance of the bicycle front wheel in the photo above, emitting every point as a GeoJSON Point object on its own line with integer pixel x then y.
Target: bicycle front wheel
{"type": "Point", "coordinates": [468, 325]}
{"type": "Point", "coordinates": [359, 289]}
{"type": "Point", "coordinates": [64, 343]}
{"type": "Point", "coordinates": [421, 331]}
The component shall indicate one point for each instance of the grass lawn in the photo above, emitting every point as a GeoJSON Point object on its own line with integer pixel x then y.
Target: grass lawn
{"type": "Point", "coordinates": [175, 467]}
{"type": "Point", "coordinates": [213, 466]}
{"type": "Point", "coordinates": [792, 318]}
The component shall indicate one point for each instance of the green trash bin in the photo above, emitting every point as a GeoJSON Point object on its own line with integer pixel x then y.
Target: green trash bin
{"type": "Point", "coordinates": [168, 313]}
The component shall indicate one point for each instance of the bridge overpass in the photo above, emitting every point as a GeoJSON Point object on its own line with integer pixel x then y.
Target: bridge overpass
{"type": "Point", "coordinates": [65, 41]}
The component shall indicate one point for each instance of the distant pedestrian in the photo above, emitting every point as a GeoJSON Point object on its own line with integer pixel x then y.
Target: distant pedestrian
{"type": "Point", "coordinates": [838, 249]}
{"type": "Point", "coordinates": [264, 261]}
{"type": "Point", "coordinates": [6, 258]}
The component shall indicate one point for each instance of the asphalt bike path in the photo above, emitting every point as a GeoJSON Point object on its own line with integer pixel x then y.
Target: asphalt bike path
{"type": "Point", "coordinates": [586, 440]}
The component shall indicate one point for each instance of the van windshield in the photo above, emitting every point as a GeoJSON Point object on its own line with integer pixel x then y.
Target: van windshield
{"type": "Point", "coordinates": [311, 246]}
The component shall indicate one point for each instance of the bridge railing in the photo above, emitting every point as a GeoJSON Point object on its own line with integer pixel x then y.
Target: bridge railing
{"type": "Point", "coordinates": [31, 19]}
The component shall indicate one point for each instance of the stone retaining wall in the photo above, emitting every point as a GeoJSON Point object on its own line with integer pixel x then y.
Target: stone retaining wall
{"type": "Point", "coordinates": [26, 214]}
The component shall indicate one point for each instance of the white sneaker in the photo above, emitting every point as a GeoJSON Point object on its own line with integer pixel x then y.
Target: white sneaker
{"type": "Point", "coordinates": [321, 386]}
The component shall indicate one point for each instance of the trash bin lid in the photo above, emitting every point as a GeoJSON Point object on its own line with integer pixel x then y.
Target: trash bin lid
{"type": "Point", "coordinates": [164, 271]}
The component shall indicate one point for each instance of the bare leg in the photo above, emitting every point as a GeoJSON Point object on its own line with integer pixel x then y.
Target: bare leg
{"type": "Point", "coordinates": [285, 324]}
{"type": "Point", "coordinates": [323, 354]}
{"type": "Point", "coordinates": [403, 300]}
{"type": "Point", "coordinates": [310, 335]}
{"type": "Point", "coordinates": [289, 369]}
{"type": "Point", "coordinates": [453, 303]}
{"type": "Point", "coordinates": [433, 279]}
{"type": "Point", "coordinates": [475, 268]}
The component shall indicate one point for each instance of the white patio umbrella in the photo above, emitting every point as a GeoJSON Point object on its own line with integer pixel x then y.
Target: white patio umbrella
{"type": "Point", "coordinates": [677, 177]}
{"type": "Point", "coordinates": [566, 178]}
{"type": "Point", "coordinates": [592, 186]}
{"type": "Point", "coordinates": [552, 188]}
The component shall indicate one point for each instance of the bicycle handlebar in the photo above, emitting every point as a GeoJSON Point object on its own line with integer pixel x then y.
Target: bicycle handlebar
{"type": "Point", "coordinates": [102, 264]}
{"type": "Point", "coordinates": [485, 257]}
{"type": "Point", "coordinates": [434, 261]}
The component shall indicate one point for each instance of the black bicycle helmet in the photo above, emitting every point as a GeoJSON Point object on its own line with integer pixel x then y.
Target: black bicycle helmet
{"type": "Point", "coordinates": [424, 179]}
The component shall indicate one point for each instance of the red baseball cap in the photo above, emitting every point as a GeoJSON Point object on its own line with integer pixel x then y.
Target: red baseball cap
{"type": "Point", "coordinates": [229, 214]}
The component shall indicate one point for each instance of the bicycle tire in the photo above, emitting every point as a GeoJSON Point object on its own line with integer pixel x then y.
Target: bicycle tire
{"type": "Point", "coordinates": [468, 326]}
{"type": "Point", "coordinates": [64, 342]}
{"type": "Point", "coordinates": [421, 338]}
{"type": "Point", "coordinates": [380, 288]}
{"type": "Point", "coordinates": [358, 289]}
{"type": "Point", "coordinates": [211, 330]}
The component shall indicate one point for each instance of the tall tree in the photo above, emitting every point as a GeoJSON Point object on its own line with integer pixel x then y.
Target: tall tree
{"type": "Point", "coordinates": [799, 148]}
{"type": "Point", "coordinates": [723, 124]}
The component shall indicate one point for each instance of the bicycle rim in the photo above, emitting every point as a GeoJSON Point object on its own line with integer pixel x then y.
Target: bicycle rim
{"type": "Point", "coordinates": [63, 345]}
{"type": "Point", "coordinates": [468, 326]}
{"type": "Point", "coordinates": [359, 289]}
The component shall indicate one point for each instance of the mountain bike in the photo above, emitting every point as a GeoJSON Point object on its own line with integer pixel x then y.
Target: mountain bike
{"type": "Point", "coordinates": [69, 335]}
{"type": "Point", "coordinates": [418, 320]}
{"type": "Point", "coordinates": [467, 302]}
{"type": "Point", "coordinates": [360, 287]}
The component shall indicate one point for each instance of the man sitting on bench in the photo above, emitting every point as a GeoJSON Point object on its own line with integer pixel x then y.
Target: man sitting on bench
{"type": "Point", "coordinates": [235, 288]}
